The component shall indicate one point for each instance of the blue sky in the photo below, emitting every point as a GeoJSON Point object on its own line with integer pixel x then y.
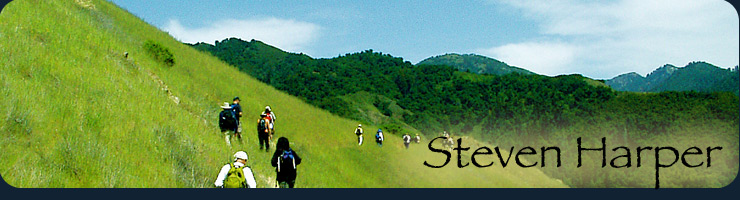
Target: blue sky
{"type": "Point", "coordinates": [599, 39]}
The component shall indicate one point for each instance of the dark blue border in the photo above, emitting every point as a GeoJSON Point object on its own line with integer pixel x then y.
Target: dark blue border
{"type": "Point", "coordinates": [3, 3]}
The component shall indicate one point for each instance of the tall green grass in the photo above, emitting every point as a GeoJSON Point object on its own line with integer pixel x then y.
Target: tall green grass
{"type": "Point", "coordinates": [75, 113]}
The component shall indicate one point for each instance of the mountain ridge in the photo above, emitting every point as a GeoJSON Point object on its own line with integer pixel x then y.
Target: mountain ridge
{"type": "Point", "coordinates": [695, 76]}
{"type": "Point", "coordinates": [474, 63]}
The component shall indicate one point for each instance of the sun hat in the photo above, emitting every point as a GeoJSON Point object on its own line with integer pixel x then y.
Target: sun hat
{"type": "Point", "coordinates": [226, 105]}
{"type": "Point", "coordinates": [240, 155]}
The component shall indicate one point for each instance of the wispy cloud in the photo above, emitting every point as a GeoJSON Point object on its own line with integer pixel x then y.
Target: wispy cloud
{"type": "Point", "coordinates": [538, 57]}
{"type": "Point", "coordinates": [603, 39]}
{"type": "Point", "coordinates": [288, 35]}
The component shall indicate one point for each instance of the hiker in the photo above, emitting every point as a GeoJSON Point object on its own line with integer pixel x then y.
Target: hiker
{"type": "Point", "coordinates": [358, 132]}
{"type": "Point", "coordinates": [417, 139]}
{"type": "Point", "coordinates": [237, 109]}
{"type": "Point", "coordinates": [449, 143]}
{"type": "Point", "coordinates": [285, 161]}
{"type": "Point", "coordinates": [227, 122]}
{"type": "Point", "coordinates": [406, 140]}
{"type": "Point", "coordinates": [379, 137]}
{"type": "Point", "coordinates": [236, 174]}
{"type": "Point", "coordinates": [271, 117]}
{"type": "Point", "coordinates": [263, 132]}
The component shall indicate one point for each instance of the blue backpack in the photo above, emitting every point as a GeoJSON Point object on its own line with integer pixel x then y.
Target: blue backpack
{"type": "Point", "coordinates": [286, 159]}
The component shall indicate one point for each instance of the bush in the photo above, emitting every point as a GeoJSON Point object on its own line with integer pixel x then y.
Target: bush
{"type": "Point", "coordinates": [394, 128]}
{"type": "Point", "coordinates": [159, 53]}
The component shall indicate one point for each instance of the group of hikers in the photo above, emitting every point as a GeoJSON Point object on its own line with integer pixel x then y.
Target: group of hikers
{"type": "Point", "coordinates": [238, 174]}
{"type": "Point", "coordinates": [231, 126]}
{"type": "Point", "coordinates": [448, 142]}
{"type": "Point", "coordinates": [379, 137]}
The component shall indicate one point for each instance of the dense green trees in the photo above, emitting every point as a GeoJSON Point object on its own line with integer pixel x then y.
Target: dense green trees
{"type": "Point", "coordinates": [512, 109]}
{"type": "Point", "coordinates": [443, 98]}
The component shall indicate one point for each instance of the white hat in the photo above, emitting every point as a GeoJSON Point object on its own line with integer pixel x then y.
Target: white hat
{"type": "Point", "coordinates": [268, 108]}
{"type": "Point", "coordinates": [226, 105]}
{"type": "Point", "coordinates": [240, 155]}
{"type": "Point", "coordinates": [359, 125]}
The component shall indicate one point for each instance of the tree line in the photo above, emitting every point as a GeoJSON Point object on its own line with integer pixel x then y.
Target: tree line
{"type": "Point", "coordinates": [439, 97]}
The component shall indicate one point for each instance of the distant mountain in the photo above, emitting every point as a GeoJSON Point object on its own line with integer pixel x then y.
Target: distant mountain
{"type": "Point", "coordinates": [474, 63]}
{"type": "Point", "coordinates": [627, 82]}
{"type": "Point", "coordinates": [696, 76]}
{"type": "Point", "coordinates": [637, 83]}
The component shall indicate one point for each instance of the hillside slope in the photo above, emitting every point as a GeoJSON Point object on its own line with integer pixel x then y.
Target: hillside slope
{"type": "Point", "coordinates": [76, 112]}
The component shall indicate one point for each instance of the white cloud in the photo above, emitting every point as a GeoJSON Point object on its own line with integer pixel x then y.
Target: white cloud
{"type": "Point", "coordinates": [541, 58]}
{"type": "Point", "coordinates": [630, 35]}
{"type": "Point", "coordinates": [288, 35]}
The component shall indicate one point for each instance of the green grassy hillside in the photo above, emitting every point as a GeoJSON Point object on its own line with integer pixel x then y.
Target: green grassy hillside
{"type": "Point", "coordinates": [74, 112]}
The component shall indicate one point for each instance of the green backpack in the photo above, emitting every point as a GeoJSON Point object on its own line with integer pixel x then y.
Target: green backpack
{"type": "Point", "coordinates": [235, 178]}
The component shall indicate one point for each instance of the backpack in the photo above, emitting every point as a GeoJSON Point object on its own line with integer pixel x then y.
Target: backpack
{"type": "Point", "coordinates": [358, 131]}
{"type": "Point", "coordinates": [378, 138]}
{"type": "Point", "coordinates": [286, 159]}
{"type": "Point", "coordinates": [235, 177]}
{"type": "Point", "coordinates": [262, 125]}
{"type": "Point", "coordinates": [226, 119]}
{"type": "Point", "coordinates": [269, 116]}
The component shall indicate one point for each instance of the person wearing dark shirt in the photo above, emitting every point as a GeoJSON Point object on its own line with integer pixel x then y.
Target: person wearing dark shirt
{"type": "Point", "coordinates": [238, 114]}
{"type": "Point", "coordinates": [285, 161]}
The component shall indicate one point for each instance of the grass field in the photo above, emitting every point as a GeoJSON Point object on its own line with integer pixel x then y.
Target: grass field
{"type": "Point", "coordinates": [74, 112]}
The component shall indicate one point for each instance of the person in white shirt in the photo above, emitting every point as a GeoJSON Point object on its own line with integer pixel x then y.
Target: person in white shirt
{"type": "Point", "coordinates": [240, 160]}
{"type": "Point", "coordinates": [379, 137]}
{"type": "Point", "coordinates": [359, 132]}
{"type": "Point", "coordinates": [406, 140]}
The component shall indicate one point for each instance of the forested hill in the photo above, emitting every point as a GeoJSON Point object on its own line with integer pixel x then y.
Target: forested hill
{"type": "Point", "coordinates": [474, 63]}
{"type": "Point", "coordinates": [432, 98]}
{"type": "Point", "coordinates": [696, 76]}
{"type": "Point", "coordinates": [509, 110]}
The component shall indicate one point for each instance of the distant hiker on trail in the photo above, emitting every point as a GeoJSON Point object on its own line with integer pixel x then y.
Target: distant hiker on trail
{"type": "Point", "coordinates": [417, 139]}
{"type": "Point", "coordinates": [379, 137]}
{"type": "Point", "coordinates": [236, 174]}
{"type": "Point", "coordinates": [448, 142]}
{"type": "Point", "coordinates": [227, 122]}
{"type": "Point", "coordinates": [263, 132]}
{"type": "Point", "coordinates": [285, 161]}
{"type": "Point", "coordinates": [406, 140]}
{"type": "Point", "coordinates": [238, 114]}
{"type": "Point", "coordinates": [358, 132]}
{"type": "Point", "coordinates": [271, 117]}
